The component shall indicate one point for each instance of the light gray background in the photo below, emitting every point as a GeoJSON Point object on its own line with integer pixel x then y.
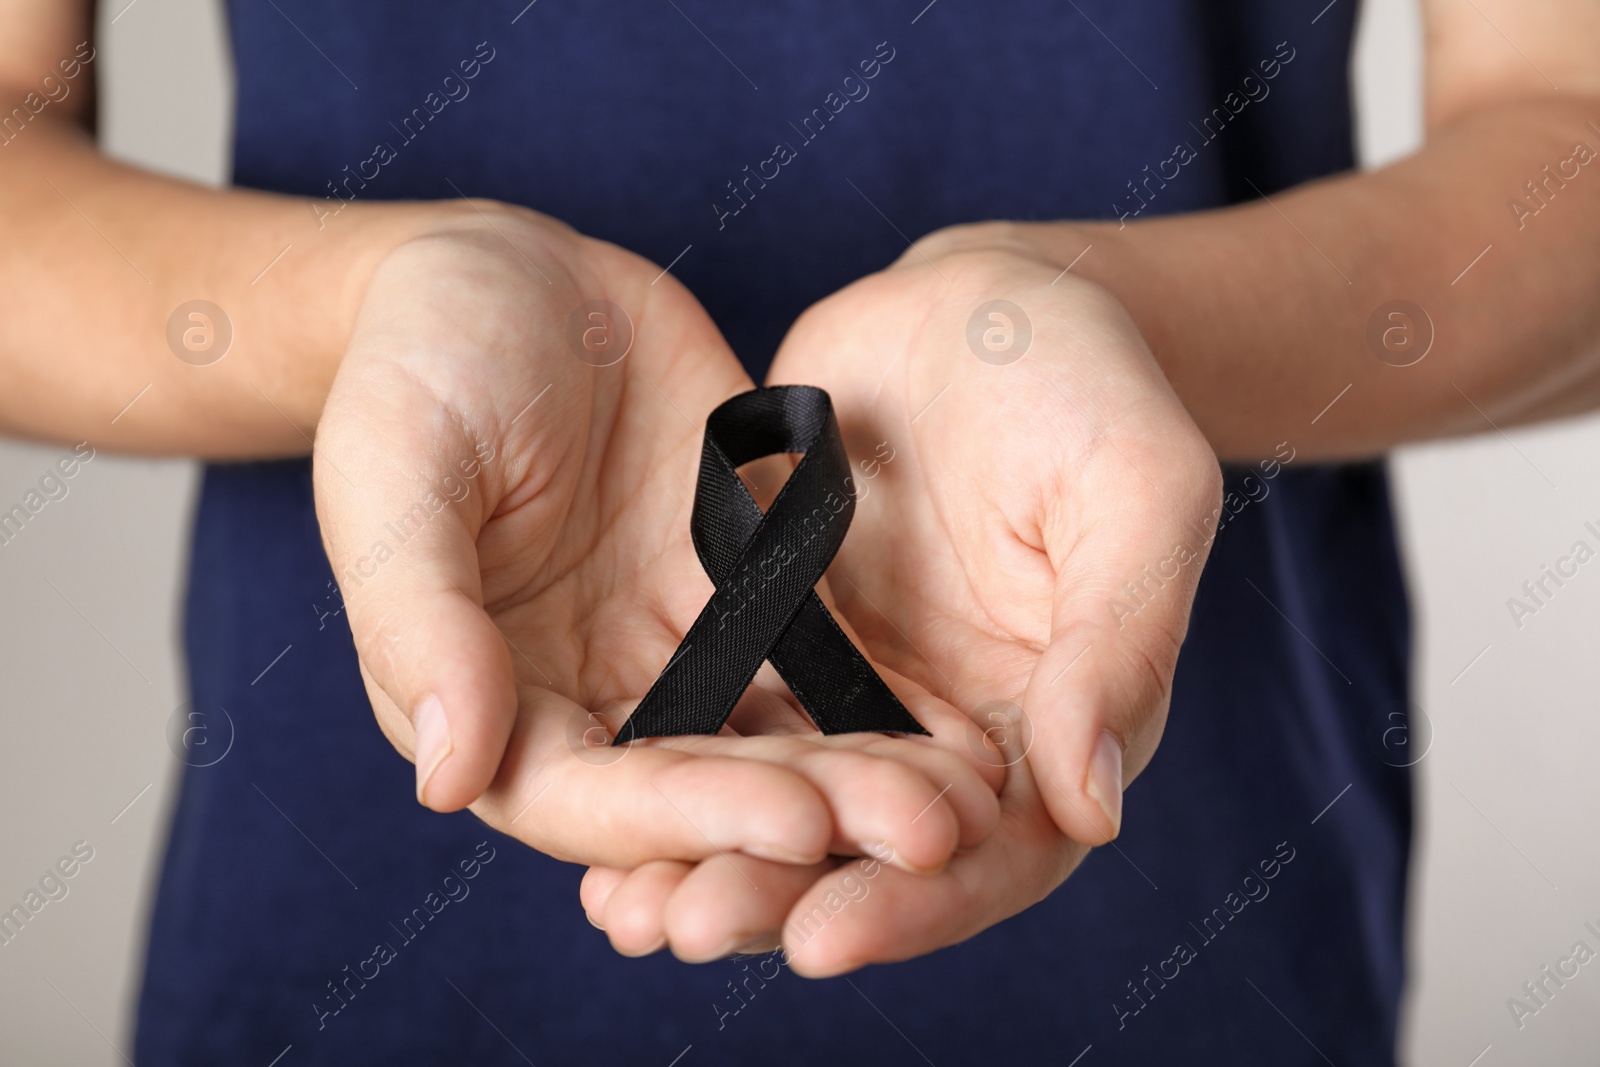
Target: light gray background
{"type": "Point", "coordinates": [1507, 868]}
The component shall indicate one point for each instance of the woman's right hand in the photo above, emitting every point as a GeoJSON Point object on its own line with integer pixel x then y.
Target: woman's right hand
{"type": "Point", "coordinates": [504, 472]}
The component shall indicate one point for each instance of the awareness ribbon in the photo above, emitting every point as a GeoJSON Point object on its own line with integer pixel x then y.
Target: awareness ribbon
{"type": "Point", "coordinates": [765, 568]}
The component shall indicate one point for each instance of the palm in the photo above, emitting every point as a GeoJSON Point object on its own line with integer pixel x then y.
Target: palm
{"type": "Point", "coordinates": [561, 578]}
{"type": "Point", "coordinates": [1003, 476]}
{"type": "Point", "coordinates": [586, 563]}
{"type": "Point", "coordinates": [906, 572]}
{"type": "Point", "coordinates": [986, 553]}
{"type": "Point", "coordinates": [946, 574]}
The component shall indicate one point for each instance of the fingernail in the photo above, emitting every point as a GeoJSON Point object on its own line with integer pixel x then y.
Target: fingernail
{"type": "Point", "coordinates": [1104, 784]}
{"type": "Point", "coordinates": [433, 742]}
{"type": "Point", "coordinates": [759, 946]}
{"type": "Point", "coordinates": [592, 923]}
{"type": "Point", "coordinates": [778, 854]}
{"type": "Point", "coordinates": [883, 852]}
{"type": "Point", "coordinates": [736, 946]}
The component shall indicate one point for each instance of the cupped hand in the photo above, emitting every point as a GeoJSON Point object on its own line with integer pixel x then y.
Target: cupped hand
{"type": "Point", "coordinates": [503, 472]}
{"type": "Point", "coordinates": [1035, 509]}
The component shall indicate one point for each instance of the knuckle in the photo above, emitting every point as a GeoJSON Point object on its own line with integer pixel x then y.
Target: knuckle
{"type": "Point", "coordinates": [895, 779]}
{"type": "Point", "coordinates": [1187, 476]}
{"type": "Point", "coordinates": [1202, 480]}
{"type": "Point", "coordinates": [379, 635]}
{"type": "Point", "coordinates": [1149, 662]}
{"type": "Point", "coordinates": [982, 273]}
{"type": "Point", "coordinates": [1137, 662]}
{"type": "Point", "coordinates": [968, 237]}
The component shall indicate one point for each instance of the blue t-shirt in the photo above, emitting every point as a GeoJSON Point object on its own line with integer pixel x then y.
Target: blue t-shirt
{"type": "Point", "coordinates": [309, 908]}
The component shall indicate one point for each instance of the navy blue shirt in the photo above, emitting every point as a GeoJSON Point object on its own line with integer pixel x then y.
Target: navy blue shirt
{"type": "Point", "coordinates": [309, 908]}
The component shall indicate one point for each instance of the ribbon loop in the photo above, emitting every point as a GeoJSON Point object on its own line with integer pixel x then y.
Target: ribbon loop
{"type": "Point", "coordinates": [765, 568]}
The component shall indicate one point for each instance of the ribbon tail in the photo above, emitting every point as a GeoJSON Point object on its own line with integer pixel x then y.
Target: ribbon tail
{"type": "Point", "coordinates": [832, 679]}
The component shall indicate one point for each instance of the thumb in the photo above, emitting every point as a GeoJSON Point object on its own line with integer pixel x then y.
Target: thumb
{"type": "Point", "coordinates": [400, 532]}
{"type": "Point", "coordinates": [1097, 701]}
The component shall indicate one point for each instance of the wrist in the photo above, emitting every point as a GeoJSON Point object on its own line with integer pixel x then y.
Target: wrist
{"type": "Point", "coordinates": [375, 234]}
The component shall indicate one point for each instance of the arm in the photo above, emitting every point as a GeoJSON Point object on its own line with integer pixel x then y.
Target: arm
{"type": "Point", "coordinates": [97, 255]}
{"type": "Point", "coordinates": [1023, 528]}
{"type": "Point", "coordinates": [413, 340]}
{"type": "Point", "coordinates": [1258, 332]}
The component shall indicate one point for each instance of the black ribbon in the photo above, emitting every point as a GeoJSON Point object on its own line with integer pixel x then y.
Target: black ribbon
{"type": "Point", "coordinates": [765, 569]}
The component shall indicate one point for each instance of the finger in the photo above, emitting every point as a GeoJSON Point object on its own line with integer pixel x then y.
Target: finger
{"type": "Point", "coordinates": [950, 730]}
{"type": "Point", "coordinates": [948, 727]}
{"type": "Point", "coordinates": [880, 806]}
{"type": "Point", "coordinates": [866, 912]}
{"type": "Point", "coordinates": [1127, 563]}
{"type": "Point", "coordinates": [970, 796]}
{"type": "Point", "coordinates": [863, 914]}
{"type": "Point", "coordinates": [635, 913]}
{"type": "Point", "coordinates": [769, 708]}
{"type": "Point", "coordinates": [596, 888]}
{"type": "Point", "coordinates": [621, 807]}
{"type": "Point", "coordinates": [960, 761]}
{"type": "Point", "coordinates": [399, 531]}
{"type": "Point", "coordinates": [734, 904]}
{"type": "Point", "coordinates": [886, 807]}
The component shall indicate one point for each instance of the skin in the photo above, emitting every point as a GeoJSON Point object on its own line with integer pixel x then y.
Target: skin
{"type": "Point", "coordinates": [563, 577]}
{"type": "Point", "coordinates": [501, 282]}
{"type": "Point", "coordinates": [1518, 341]}
{"type": "Point", "coordinates": [1088, 472]}
{"type": "Point", "coordinates": [1024, 517]}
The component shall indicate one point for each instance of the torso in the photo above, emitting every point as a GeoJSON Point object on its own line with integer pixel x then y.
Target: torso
{"type": "Point", "coordinates": [625, 121]}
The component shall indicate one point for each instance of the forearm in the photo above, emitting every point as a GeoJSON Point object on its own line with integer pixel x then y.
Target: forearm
{"type": "Point", "coordinates": [1259, 313]}
{"type": "Point", "coordinates": [97, 258]}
